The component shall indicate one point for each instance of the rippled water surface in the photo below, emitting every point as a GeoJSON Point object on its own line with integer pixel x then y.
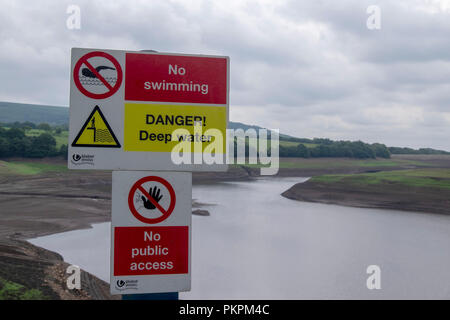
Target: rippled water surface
{"type": "Point", "coordinates": [259, 245]}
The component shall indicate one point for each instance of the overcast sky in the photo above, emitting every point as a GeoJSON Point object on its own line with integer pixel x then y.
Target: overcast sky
{"type": "Point", "coordinates": [309, 68]}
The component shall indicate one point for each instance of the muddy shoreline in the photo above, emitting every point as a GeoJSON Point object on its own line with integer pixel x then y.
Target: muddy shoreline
{"type": "Point", "coordinates": [383, 195]}
{"type": "Point", "coordinates": [44, 204]}
{"type": "Point", "coordinates": [409, 199]}
{"type": "Point", "coordinates": [38, 205]}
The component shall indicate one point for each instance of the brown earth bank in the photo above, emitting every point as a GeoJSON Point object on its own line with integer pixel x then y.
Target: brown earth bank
{"type": "Point", "coordinates": [35, 268]}
{"type": "Point", "coordinates": [414, 199]}
{"type": "Point", "coordinates": [384, 195]}
{"type": "Point", "coordinates": [59, 201]}
{"type": "Point", "coordinates": [37, 205]}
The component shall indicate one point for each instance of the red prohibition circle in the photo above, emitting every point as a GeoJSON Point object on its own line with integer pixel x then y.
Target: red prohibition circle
{"type": "Point", "coordinates": [111, 89]}
{"type": "Point", "coordinates": [165, 213]}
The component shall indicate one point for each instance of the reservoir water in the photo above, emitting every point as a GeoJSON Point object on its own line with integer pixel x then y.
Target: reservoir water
{"type": "Point", "coordinates": [257, 244]}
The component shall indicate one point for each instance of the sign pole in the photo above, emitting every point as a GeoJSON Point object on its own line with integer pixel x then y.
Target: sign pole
{"type": "Point", "coordinates": [151, 296]}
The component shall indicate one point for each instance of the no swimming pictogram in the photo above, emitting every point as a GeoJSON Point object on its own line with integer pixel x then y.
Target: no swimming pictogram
{"type": "Point", "coordinates": [90, 76]}
{"type": "Point", "coordinates": [145, 199]}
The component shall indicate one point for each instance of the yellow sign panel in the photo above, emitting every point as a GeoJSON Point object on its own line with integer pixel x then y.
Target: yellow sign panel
{"type": "Point", "coordinates": [161, 127]}
{"type": "Point", "coordinates": [96, 132]}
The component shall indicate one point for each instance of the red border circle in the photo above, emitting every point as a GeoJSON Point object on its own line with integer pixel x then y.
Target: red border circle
{"type": "Point", "coordinates": [139, 183]}
{"type": "Point", "coordinates": [76, 72]}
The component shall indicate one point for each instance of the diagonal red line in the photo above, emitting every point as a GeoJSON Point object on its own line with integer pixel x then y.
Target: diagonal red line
{"type": "Point", "coordinates": [98, 75]}
{"type": "Point", "coordinates": [156, 204]}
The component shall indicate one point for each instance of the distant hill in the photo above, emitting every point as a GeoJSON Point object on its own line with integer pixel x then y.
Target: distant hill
{"type": "Point", "coordinates": [12, 112]}
{"type": "Point", "coordinates": [53, 115]}
{"type": "Point", "coordinates": [240, 125]}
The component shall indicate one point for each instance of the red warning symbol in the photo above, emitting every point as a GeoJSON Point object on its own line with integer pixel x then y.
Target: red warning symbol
{"type": "Point", "coordinates": [90, 78]}
{"type": "Point", "coordinates": [151, 199]}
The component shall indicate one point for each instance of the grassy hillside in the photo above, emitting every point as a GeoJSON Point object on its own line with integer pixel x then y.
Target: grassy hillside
{"type": "Point", "coordinates": [12, 112]}
{"type": "Point", "coordinates": [29, 168]}
{"type": "Point", "coordinates": [240, 125]}
{"type": "Point", "coordinates": [61, 138]}
{"type": "Point", "coordinates": [431, 178]}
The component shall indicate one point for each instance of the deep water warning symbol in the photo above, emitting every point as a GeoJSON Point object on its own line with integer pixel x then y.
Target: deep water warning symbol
{"type": "Point", "coordinates": [96, 132]}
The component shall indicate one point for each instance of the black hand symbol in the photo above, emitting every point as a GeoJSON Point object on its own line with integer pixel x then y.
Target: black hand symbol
{"type": "Point", "coordinates": [155, 195]}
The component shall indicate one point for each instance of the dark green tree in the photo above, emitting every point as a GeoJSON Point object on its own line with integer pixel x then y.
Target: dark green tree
{"type": "Point", "coordinates": [43, 145]}
{"type": "Point", "coordinates": [4, 148]}
{"type": "Point", "coordinates": [44, 126]}
{"type": "Point", "coordinates": [303, 151]}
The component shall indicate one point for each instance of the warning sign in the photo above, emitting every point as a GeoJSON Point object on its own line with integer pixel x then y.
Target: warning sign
{"type": "Point", "coordinates": [145, 198]}
{"type": "Point", "coordinates": [151, 250]}
{"type": "Point", "coordinates": [98, 75]}
{"type": "Point", "coordinates": [176, 78]}
{"type": "Point", "coordinates": [151, 232]}
{"type": "Point", "coordinates": [169, 111]}
{"type": "Point", "coordinates": [152, 127]}
{"type": "Point", "coordinates": [96, 132]}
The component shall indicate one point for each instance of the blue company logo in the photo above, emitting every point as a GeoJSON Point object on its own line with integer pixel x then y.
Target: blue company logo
{"type": "Point", "coordinates": [126, 284]}
{"type": "Point", "coordinates": [79, 159]}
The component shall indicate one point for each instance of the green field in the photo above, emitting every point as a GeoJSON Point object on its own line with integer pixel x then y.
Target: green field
{"type": "Point", "coordinates": [323, 163]}
{"type": "Point", "coordinates": [61, 138]}
{"type": "Point", "coordinates": [434, 178]}
{"type": "Point", "coordinates": [286, 143]}
{"type": "Point", "coordinates": [283, 143]}
{"type": "Point", "coordinates": [29, 168]}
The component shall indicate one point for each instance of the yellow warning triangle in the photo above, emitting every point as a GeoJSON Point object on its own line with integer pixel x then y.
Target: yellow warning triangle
{"type": "Point", "coordinates": [96, 132]}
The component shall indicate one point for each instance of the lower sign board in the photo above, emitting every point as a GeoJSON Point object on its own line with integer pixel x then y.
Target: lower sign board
{"type": "Point", "coordinates": [151, 232]}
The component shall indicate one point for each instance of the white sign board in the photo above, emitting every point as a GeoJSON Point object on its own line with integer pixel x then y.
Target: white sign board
{"type": "Point", "coordinates": [129, 110]}
{"type": "Point", "coordinates": [151, 232]}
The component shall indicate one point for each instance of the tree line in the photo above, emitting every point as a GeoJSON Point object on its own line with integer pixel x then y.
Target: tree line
{"type": "Point", "coordinates": [15, 143]}
{"type": "Point", "coordinates": [337, 149]}
{"type": "Point", "coordinates": [398, 150]}
{"type": "Point", "coordinates": [27, 125]}
{"type": "Point", "coordinates": [324, 148]}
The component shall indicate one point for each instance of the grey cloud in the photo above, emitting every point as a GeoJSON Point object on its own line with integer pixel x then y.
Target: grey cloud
{"type": "Point", "coordinates": [311, 68]}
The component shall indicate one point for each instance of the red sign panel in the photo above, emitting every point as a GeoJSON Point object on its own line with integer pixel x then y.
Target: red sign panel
{"type": "Point", "coordinates": [151, 250]}
{"type": "Point", "coordinates": [169, 78]}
